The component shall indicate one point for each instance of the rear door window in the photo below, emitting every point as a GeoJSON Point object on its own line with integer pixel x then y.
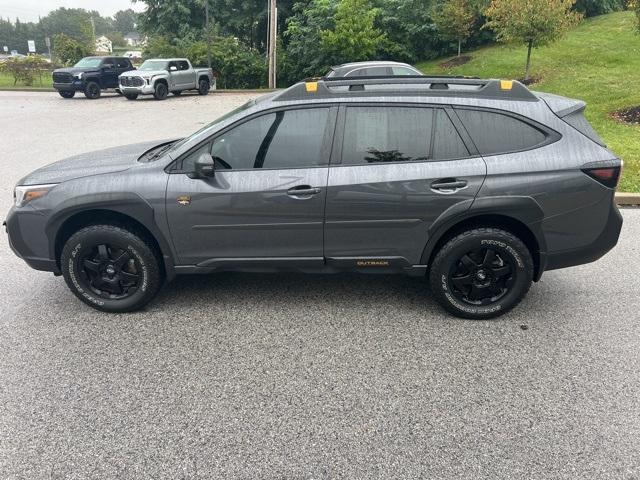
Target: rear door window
{"type": "Point", "coordinates": [183, 65]}
{"type": "Point", "coordinates": [495, 133]}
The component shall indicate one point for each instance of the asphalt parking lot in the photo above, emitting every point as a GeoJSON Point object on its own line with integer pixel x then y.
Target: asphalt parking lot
{"type": "Point", "coordinates": [292, 376]}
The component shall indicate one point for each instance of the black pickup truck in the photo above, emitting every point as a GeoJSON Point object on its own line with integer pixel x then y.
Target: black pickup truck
{"type": "Point", "coordinates": [90, 75]}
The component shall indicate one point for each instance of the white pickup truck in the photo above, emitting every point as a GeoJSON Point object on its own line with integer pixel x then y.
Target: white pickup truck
{"type": "Point", "coordinates": [161, 76]}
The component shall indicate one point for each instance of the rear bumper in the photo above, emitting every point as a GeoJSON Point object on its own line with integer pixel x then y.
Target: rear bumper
{"type": "Point", "coordinates": [21, 225]}
{"type": "Point", "coordinates": [607, 239]}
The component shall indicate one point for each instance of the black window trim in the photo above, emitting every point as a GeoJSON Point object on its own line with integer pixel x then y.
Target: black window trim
{"type": "Point", "coordinates": [327, 142]}
{"type": "Point", "coordinates": [551, 135]}
{"type": "Point", "coordinates": [446, 108]}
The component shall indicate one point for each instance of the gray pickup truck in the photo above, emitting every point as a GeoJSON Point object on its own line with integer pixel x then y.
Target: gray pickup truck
{"type": "Point", "coordinates": [159, 76]}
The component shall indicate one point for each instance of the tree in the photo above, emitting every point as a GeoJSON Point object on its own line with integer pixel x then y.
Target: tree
{"type": "Point", "coordinates": [69, 50]}
{"type": "Point", "coordinates": [124, 21]}
{"type": "Point", "coordinates": [454, 20]}
{"type": "Point", "coordinates": [532, 22]}
{"type": "Point", "coordinates": [354, 36]}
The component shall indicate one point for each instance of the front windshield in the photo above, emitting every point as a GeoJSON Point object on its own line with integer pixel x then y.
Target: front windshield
{"type": "Point", "coordinates": [218, 120]}
{"type": "Point", "coordinates": [149, 65]}
{"type": "Point", "coordinates": [89, 62]}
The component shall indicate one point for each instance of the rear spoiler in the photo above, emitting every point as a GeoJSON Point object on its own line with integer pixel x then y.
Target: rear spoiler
{"type": "Point", "coordinates": [561, 106]}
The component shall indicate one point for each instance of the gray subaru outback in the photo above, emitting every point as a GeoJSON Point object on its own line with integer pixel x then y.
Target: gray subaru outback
{"type": "Point", "coordinates": [478, 185]}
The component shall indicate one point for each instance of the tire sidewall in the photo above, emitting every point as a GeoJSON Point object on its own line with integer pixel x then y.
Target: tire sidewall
{"type": "Point", "coordinates": [161, 91]}
{"type": "Point", "coordinates": [88, 90]}
{"type": "Point", "coordinates": [86, 239]}
{"type": "Point", "coordinates": [130, 96]}
{"type": "Point", "coordinates": [203, 87]}
{"type": "Point", "coordinates": [66, 94]}
{"type": "Point", "coordinates": [508, 247]}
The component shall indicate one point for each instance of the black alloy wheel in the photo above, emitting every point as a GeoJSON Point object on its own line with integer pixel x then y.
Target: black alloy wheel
{"type": "Point", "coordinates": [92, 90]}
{"type": "Point", "coordinates": [481, 273]}
{"type": "Point", "coordinates": [161, 91]}
{"type": "Point", "coordinates": [481, 277]}
{"type": "Point", "coordinates": [110, 272]}
{"type": "Point", "coordinates": [204, 86]}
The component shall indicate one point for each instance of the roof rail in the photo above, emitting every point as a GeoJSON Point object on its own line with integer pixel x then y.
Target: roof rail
{"type": "Point", "coordinates": [407, 85]}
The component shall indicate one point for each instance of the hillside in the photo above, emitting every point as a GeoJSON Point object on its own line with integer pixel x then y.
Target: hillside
{"type": "Point", "coordinates": [598, 62]}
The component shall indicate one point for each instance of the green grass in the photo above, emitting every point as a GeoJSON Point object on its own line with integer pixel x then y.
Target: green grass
{"type": "Point", "coordinates": [6, 81]}
{"type": "Point", "coordinates": [598, 62]}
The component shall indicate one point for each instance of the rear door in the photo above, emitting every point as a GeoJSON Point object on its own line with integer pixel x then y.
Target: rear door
{"type": "Point", "coordinates": [185, 76]}
{"type": "Point", "coordinates": [265, 204]}
{"type": "Point", "coordinates": [399, 168]}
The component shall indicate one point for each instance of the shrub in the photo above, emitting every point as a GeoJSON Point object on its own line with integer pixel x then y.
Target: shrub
{"type": "Point", "coordinates": [25, 69]}
{"type": "Point", "coordinates": [69, 50]}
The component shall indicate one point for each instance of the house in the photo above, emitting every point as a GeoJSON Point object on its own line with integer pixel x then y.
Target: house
{"type": "Point", "coordinates": [103, 45]}
{"type": "Point", "coordinates": [133, 39]}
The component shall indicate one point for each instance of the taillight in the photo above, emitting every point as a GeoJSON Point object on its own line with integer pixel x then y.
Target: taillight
{"type": "Point", "coordinates": [607, 176]}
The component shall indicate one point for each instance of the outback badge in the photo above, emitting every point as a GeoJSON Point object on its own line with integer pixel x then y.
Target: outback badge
{"type": "Point", "coordinates": [184, 200]}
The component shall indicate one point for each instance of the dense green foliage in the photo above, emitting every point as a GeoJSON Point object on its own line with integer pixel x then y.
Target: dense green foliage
{"type": "Point", "coordinates": [454, 20]}
{"type": "Point", "coordinates": [73, 22]}
{"type": "Point", "coordinates": [69, 50]}
{"type": "Point", "coordinates": [592, 63]}
{"type": "Point", "coordinates": [25, 70]}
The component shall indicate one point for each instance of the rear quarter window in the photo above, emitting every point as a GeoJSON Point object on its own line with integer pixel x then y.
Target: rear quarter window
{"type": "Point", "coordinates": [494, 133]}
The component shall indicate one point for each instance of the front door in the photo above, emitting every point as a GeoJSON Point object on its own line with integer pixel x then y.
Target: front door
{"type": "Point", "coordinates": [400, 168]}
{"type": "Point", "coordinates": [266, 201]}
{"type": "Point", "coordinates": [109, 73]}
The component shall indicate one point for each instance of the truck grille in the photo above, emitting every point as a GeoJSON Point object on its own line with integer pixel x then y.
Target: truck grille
{"type": "Point", "coordinates": [59, 77]}
{"type": "Point", "coordinates": [131, 81]}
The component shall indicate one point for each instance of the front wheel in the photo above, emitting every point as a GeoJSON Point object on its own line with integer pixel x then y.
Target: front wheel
{"type": "Point", "coordinates": [131, 96]}
{"type": "Point", "coordinates": [110, 268]}
{"type": "Point", "coordinates": [481, 273]}
{"type": "Point", "coordinates": [67, 93]}
{"type": "Point", "coordinates": [203, 86]}
{"type": "Point", "coordinates": [161, 91]}
{"type": "Point", "coordinates": [92, 90]}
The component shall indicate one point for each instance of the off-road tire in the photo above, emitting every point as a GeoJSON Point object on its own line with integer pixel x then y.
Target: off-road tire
{"type": "Point", "coordinates": [92, 90]}
{"type": "Point", "coordinates": [139, 250]}
{"type": "Point", "coordinates": [130, 96]}
{"type": "Point", "coordinates": [160, 91]}
{"type": "Point", "coordinates": [203, 86]}
{"type": "Point", "coordinates": [67, 93]}
{"type": "Point", "coordinates": [509, 249]}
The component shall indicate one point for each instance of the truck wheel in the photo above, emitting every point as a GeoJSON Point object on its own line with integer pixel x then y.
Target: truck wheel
{"type": "Point", "coordinates": [110, 268]}
{"type": "Point", "coordinates": [161, 91]}
{"type": "Point", "coordinates": [177, 93]}
{"type": "Point", "coordinates": [67, 93]}
{"type": "Point", "coordinates": [131, 96]}
{"type": "Point", "coordinates": [481, 273]}
{"type": "Point", "coordinates": [92, 90]}
{"type": "Point", "coordinates": [203, 86]}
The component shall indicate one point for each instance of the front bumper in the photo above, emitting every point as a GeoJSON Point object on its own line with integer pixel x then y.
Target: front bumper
{"type": "Point", "coordinates": [28, 240]}
{"type": "Point", "coordinates": [76, 85]}
{"type": "Point", "coordinates": [143, 90]}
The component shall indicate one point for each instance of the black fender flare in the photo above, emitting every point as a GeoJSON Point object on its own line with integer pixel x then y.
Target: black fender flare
{"type": "Point", "coordinates": [523, 209]}
{"type": "Point", "coordinates": [126, 204]}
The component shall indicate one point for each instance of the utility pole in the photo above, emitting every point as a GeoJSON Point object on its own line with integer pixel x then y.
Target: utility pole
{"type": "Point", "coordinates": [271, 43]}
{"type": "Point", "coordinates": [206, 16]}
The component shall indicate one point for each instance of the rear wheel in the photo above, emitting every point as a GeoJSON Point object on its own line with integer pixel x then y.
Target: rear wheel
{"type": "Point", "coordinates": [67, 93]}
{"type": "Point", "coordinates": [92, 90]}
{"type": "Point", "coordinates": [481, 273]}
{"type": "Point", "coordinates": [131, 96]}
{"type": "Point", "coordinates": [110, 268]}
{"type": "Point", "coordinates": [161, 91]}
{"type": "Point", "coordinates": [203, 86]}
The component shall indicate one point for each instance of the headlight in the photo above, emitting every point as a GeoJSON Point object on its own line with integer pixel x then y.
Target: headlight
{"type": "Point", "coordinates": [23, 194]}
{"type": "Point", "coordinates": [78, 75]}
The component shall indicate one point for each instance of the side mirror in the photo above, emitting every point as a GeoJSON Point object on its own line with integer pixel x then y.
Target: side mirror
{"type": "Point", "coordinates": [173, 68]}
{"type": "Point", "coordinates": [204, 166]}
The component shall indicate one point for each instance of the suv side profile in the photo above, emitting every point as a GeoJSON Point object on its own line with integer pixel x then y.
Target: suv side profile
{"type": "Point", "coordinates": [90, 75]}
{"type": "Point", "coordinates": [479, 185]}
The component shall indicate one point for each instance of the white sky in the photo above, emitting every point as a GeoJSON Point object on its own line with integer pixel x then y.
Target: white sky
{"type": "Point", "coordinates": [29, 10]}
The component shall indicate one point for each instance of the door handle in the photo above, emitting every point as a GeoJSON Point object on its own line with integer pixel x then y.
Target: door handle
{"type": "Point", "coordinates": [303, 191]}
{"type": "Point", "coordinates": [448, 185]}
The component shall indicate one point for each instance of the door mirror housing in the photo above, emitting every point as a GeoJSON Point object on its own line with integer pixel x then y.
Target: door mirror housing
{"type": "Point", "coordinates": [173, 68]}
{"type": "Point", "coordinates": [204, 167]}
